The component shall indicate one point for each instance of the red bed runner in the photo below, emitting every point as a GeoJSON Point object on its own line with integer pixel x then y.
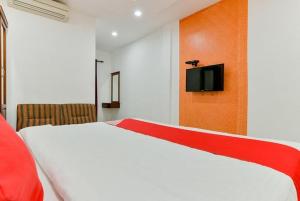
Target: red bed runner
{"type": "Point", "coordinates": [279, 157]}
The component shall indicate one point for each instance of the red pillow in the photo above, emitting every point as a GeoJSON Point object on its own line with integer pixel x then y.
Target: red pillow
{"type": "Point", "coordinates": [19, 180]}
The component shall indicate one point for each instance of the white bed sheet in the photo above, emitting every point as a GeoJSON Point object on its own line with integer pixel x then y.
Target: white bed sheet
{"type": "Point", "coordinates": [95, 162]}
{"type": "Point", "coordinates": [49, 191]}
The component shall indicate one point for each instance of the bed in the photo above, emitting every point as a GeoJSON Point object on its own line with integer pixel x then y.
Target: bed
{"type": "Point", "coordinates": [122, 161]}
{"type": "Point", "coordinates": [49, 191]}
{"type": "Point", "coordinates": [21, 177]}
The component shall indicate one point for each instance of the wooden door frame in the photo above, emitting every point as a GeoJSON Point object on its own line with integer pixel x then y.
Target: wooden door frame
{"type": "Point", "coordinates": [4, 24]}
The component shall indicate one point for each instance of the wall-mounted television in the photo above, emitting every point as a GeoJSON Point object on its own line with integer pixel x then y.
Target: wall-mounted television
{"type": "Point", "coordinates": [208, 78]}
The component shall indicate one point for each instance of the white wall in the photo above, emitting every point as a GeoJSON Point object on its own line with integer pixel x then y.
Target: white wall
{"type": "Point", "coordinates": [274, 69]}
{"type": "Point", "coordinates": [149, 76]}
{"type": "Point", "coordinates": [104, 82]}
{"type": "Point", "coordinates": [49, 61]}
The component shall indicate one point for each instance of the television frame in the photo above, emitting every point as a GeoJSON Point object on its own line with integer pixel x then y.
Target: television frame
{"type": "Point", "coordinates": [199, 78]}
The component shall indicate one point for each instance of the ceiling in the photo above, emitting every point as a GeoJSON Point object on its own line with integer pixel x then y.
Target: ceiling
{"type": "Point", "coordinates": [117, 15]}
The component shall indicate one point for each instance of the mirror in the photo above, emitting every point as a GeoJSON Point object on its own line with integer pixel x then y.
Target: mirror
{"type": "Point", "coordinates": [115, 87]}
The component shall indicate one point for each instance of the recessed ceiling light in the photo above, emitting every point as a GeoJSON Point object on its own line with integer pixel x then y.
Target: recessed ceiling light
{"type": "Point", "coordinates": [138, 13]}
{"type": "Point", "coordinates": [114, 33]}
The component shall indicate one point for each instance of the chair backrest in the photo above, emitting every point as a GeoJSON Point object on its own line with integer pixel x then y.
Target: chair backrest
{"type": "Point", "coordinates": [37, 114]}
{"type": "Point", "coordinates": [78, 113]}
{"type": "Point", "coordinates": [55, 114]}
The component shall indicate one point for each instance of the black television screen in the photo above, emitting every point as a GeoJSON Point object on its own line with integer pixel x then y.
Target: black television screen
{"type": "Point", "coordinates": [209, 78]}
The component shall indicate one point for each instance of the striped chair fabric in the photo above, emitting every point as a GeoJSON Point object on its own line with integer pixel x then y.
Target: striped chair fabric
{"type": "Point", "coordinates": [37, 114]}
{"type": "Point", "coordinates": [42, 114]}
{"type": "Point", "coordinates": [78, 113]}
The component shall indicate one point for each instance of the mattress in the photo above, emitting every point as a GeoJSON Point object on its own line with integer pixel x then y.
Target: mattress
{"type": "Point", "coordinates": [102, 162]}
{"type": "Point", "coordinates": [49, 191]}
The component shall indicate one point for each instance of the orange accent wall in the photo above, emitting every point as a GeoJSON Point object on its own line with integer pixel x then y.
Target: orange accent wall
{"type": "Point", "coordinates": [216, 35]}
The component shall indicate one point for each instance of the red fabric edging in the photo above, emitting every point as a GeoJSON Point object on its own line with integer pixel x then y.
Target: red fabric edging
{"type": "Point", "coordinates": [19, 180]}
{"type": "Point", "coordinates": [279, 157]}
